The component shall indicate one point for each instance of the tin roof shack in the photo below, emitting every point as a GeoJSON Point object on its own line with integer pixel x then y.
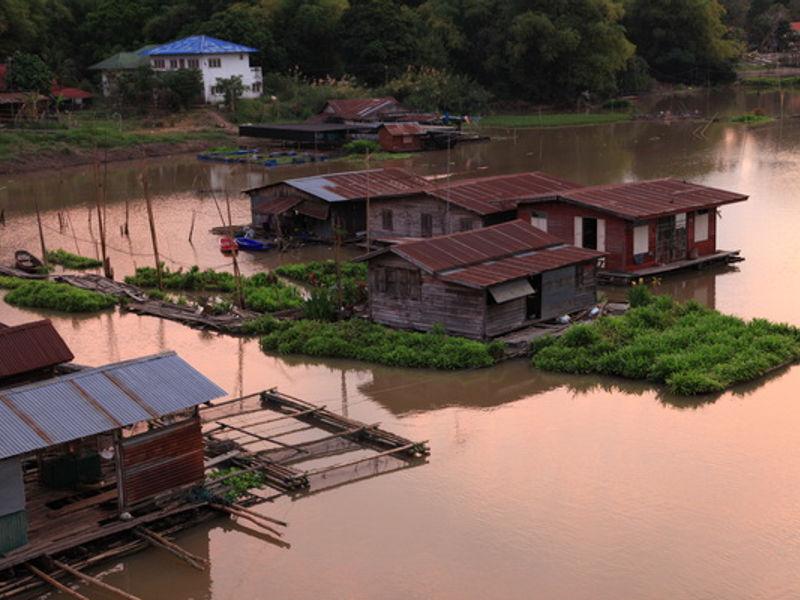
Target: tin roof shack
{"type": "Point", "coordinates": [459, 205]}
{"type": "Point", "coordinates": [480, 284]}
{"type": "Point", "coordinates": [357, 109]}
{"type": "Point", "coordinates": [78, 450]}
{"type": "Point", "coordinates": [30, 351]}
{"type": "Point", "coordinates": [646, 227]}
{"type": "Point", "coordinates": [402, 137]}
{"type": "Point", "coordinates": [309, 206]}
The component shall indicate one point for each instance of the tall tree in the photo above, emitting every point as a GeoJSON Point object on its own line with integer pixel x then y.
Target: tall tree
{"type": "Point", "coordinates": [28, 73]}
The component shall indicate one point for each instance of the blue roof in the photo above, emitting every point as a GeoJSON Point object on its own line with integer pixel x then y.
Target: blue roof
{"type": "Point", "coordinates": [199, 44]}
{"type": "Point", "coordinates": [86, 403]}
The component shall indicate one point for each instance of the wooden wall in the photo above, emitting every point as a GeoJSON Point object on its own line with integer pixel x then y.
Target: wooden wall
{"type": "Point", "coordinates": [561, 294]}
{"type": "Point", "coordinates": [407, 214]}
{"type": "Point", "coordinates": [506, 317]}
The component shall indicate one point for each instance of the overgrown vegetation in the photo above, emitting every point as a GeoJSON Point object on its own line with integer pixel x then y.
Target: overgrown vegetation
{"type": "Point", "coordinates": [69, 260]}
{"type": "Point", "coordinates": [553, 120]}
{"type": "Point", "coordinates": [690, 348]}
{"type": "Point", "coordinates": [239, 482]}
{"type": "Point", "coordinates": [751, 119]}
{"type": "Point", "coordinates": [767, 83]}
{"type": "Point", "coordinates": [321, 275]}
{"type": "Point", "coordinates": [263, 292]}
{"type": "Point", "coordinates": [57, 296]}
{"type": "Point", "coordinates": [361, 340]}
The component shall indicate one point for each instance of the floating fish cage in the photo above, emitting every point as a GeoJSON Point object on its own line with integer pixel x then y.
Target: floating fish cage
{"type": "Point", "coordinates": [266, 159]}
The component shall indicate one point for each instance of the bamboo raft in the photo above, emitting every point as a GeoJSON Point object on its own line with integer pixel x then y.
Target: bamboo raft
{"type": "Point", "coordinates": [238, 433]}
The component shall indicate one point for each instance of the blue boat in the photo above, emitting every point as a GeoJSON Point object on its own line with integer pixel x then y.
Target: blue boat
{"type": "Point", "coordinates": [252, 245]}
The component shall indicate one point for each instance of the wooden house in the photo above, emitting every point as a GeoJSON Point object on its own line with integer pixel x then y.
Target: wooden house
{"type": "Point", "coordinates": [80, 450]}
{"type": "Point", "coordinates": [30, 351]}
{"type": "Point", "coordinates": [309, 207]}
{"type": "Point", "coordinates": [646, 228]}
{"type": "Point", "coordinates": [480, 284]}
{"type": "Point", "coordinates": [402, 137]}
{"type": "Point", "coordinates": [357, 109]}
{"type": "Point", "coordinates": [459, 205]}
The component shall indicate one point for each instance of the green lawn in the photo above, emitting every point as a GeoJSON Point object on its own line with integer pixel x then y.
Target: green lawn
{"type": "Point", "coordinates": [553, 120]}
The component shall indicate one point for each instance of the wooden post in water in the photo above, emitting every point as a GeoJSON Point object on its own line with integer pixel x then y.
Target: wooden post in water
{"type": "Point", "coordinates": [369, 237]}
{"type": "Point", "coordinates": [153, 235]}
{"type": "Point", "coordinates": [99, 201]}
{"type": "Point", "coordinates": [191, 229]}
{"type": "Point", "coordinates": [236, 273]}
{"type": "Point", "coordinates": [41, 231]}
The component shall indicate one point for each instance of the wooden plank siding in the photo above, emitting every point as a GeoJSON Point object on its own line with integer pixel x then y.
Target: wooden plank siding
{"type": "Point", "coordinates": [561, 293]}
{"type": "Point", "coordinates": [406, 219]}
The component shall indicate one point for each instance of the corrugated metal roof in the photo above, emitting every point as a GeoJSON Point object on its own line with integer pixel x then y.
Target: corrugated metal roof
{"type": "Point", "coordinates": [359, 108]}
{"type": "Point", "coordinates": [404, 129]}
{"type": "Point", "coordinates": [277, 206]}
{"type": "Point", "coordinates": [648, 199]}
{"type": "Point", "coordinates": [199, 44]}
{"type": "Point", "coordinates": [30, 347]}
{"type": "Point", "coordinates": [489, 195]}
{"type": "Point", "coordinates": [94, 401]}
{"type": "Point", "coordinates": [354, 185]}
{"type": "Point", "coordinates": [70, 93]}
{"type": "Point", "coordinates": [124, 60]}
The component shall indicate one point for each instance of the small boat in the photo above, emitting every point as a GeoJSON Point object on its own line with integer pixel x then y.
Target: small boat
{"type": "Point", "coordinates": [25, 261]}
{"type": "Point", "coordinates": [227, 245]}
{"type": "Point", "coordinates": [245, 243]}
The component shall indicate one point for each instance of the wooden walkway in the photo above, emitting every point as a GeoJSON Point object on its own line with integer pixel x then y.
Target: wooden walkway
{"type": "Point", "coordinates": [625, 277]}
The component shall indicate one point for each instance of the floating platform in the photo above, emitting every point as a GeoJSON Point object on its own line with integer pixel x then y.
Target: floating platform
{"type": "Point", "coordinates": [723, 257]}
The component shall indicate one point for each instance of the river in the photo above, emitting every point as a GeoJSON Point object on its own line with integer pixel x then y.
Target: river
{"type": "Point", "coordinates": [539, 485]}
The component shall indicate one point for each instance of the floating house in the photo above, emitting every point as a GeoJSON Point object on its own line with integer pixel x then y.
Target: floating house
{"type": "Point", "coordinates": [309, 135]}
{"type": "Point", "coordinates": [459, 205]}
{"type": "Point", "coordinates": [646, 228]}
{"type": "Point", "coordinates": [402, 137]}
{"type": "Point", "coordinates": [308, 207]}
{"type": "Point", "coordinates": [215, 59]}
{"type": "Point", "coordinates": [79, 451]}
{"type": "Point", "coordinates": [480, 284]}
{"type": "Point", "coordinates": [31, 351]}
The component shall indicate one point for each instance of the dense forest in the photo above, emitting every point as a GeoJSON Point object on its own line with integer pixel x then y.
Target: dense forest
{"type": "Point", "coordinates": [529, 50]}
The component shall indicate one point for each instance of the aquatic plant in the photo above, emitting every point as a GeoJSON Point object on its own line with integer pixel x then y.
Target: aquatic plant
{"type": "Point", "coordinates": [72, 261]}
{"type": "Point", "coordinates": [58, 296]}
{"type": "Point", "coordinates": [553, 120]}
{"type": "Point", "coordinates": [690, 348]}
{"type": "Point", "coordinates": [10, 283]}
{"type": "Point", "coordinates": [361, 340]}
{"type": "Point", "coordinates": [272, 298]}
{"type": "Point", "coordinates": [753, 118]}
{"type": "Point", "coordinates": [322, 275]}
{"type": "Point", "coordinates": [239, 482]}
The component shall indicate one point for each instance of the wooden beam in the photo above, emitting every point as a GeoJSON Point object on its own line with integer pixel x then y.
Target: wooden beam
{"type": "Point", "coordinates": [94, 581]}
{"type": "Point", "coordinates": [55, 583]}
{"type": "Point", "coordinates": [159, 540]}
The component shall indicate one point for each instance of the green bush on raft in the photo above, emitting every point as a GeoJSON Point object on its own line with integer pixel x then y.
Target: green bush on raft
{"type": "Point", "coordinates": [690, 348]}
{"type": "Point", "coordinates": [360, 340]}
{"type": "Point", "coordinates": [72, 261]}
{"type": "Point", "coordinates": [58, 296]}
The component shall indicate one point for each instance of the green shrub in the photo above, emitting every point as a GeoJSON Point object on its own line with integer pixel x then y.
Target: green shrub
{"type": "Point", "coordinates": [239, 482]}
{"type": "Point", "coordinates": [72, 261]}
{"type": "Point", "coordinates": [10, 283]}
{"type": "Point", "coordinates": [361, 340]}
{"type": "Point", "coordinates": [58, 296]}
{"type": "Point", "coordinates": [361, 147]}
{"type": "Point", "coordinates": [690, 348]}
{"type": "Point", "coordinates": [272, 298]}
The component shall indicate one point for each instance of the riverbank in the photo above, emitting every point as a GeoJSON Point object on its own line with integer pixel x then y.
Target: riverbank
{"type": "Point", "coordinates": [552, 120]}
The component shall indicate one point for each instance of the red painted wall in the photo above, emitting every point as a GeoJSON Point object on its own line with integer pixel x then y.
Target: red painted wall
{"type": "Point", "coordinates": [396, 143]}
{"type": "Point", "coordinates": [619, 233]}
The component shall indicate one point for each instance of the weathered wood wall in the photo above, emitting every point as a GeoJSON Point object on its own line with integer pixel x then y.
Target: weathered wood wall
{"type": "Point", "coordinates": [407, 217]}
{"type": "Point", "coordinates": [506, 317]}
{"type": "Point", "coordinates": [561, 294]}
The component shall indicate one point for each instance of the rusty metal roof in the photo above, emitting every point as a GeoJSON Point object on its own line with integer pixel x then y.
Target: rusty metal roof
{"type": "Point", "coordinates": [277, 206]}
{"type": "Point", "coordinates": [404, 129]}
{"type": "Point", "coordinates": [649, 199]}
{"type": "Point", "coordinates": [501, 193]}
{"type": "Point", "coordinates": [93, 401]}
{"type": "Point", "coordinates": [31, 346]}
{"type": "Point", "coordinates": [491, 255]}
{"type": "Point", "coordinates": [359, 108]}
{"type": "Point", "coordinates": [355, 185]}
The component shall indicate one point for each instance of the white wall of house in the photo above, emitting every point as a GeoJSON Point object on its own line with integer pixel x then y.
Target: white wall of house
{"type": "Point", "coordinates": [213, 67]}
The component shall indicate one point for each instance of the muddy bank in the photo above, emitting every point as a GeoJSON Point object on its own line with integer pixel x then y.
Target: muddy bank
{"type": "Point", "coordinates": [48, 160]}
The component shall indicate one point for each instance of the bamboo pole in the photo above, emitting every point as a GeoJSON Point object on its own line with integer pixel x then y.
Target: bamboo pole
{"type": "Point", "coordinates": [162, 542]}
{"type": "Point", "coordinates": [99, 199]}
{"type": "Point", "coordinates": [369, 237]}
{"type": "Point", "coordinates": [153, 235]}
{"type": "Point", "coordinates": [94, 581]}
{"type": "Point", "coordinates": [191, 229]}
{"type": "Point", "coordinates": [260, 516]}
{"type": "Point", "coordinates": [247, 517]}
{"type": "Point", "coordinates": [236, 273]}
{"type": "Point", "coordinates": [55, 583]}
{"type": "Point", "coordinates": [41, 231]}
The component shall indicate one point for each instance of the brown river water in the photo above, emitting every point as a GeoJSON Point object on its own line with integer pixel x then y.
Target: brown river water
{"type": "Point", "coordinates": [539, 485]}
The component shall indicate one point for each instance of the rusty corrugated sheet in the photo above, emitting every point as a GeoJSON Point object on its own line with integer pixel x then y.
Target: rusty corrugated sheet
{"type": "Point", "coordinates": [315, 210]}
{"type": "Point", "coordinates": [649, 199]}
{"type": "Point", "coordinates": [489, 195]}
{"type": "Point", "coordinates": [404, 129]}
{"type": "Point", "coordinates": [30, 347]}
{"type": "Point", "coordinates": [359, 109]}
{"type": "Point", "coordinates": [277, 206]}
{"type": "Point", "coordinates": [161, 460]}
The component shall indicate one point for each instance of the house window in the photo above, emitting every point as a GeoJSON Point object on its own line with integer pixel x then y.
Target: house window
{"type": "Point", "coordinates": [585, 276]}
{"type": "Point", "coordinates": [641, 239]}
{"type": "Point", "coordinates": [173, 63]}
{"type": "Point", "coordinates": [215, 90]}
{"type": "Point", "coordinates": [387, 218]}
{"type": "Point", "coordinates": [590, 233]}
{"type": "Point", "coordinates": [465, 224]}
{"type": "Point", "coordinates": [701, 226]}
{"type": "Point", "coordinates": [406, 139]}
{"type": "Point", "coordinates": [158, 63]}
{"type": "Point", "coordinates": [539, 220]}
{"type": "Point", "coordinates": [241, 57]}
{"type": "Point", "coordinates": [193, 63]}
{"type": "Point", "coordinates": [181, 63]}
{"type": "Point", "coordinates": [214, 63]}
{"type": "Point", "coordinates": [401, 284]}
{"type": "Point", "coordinates": [426, 225]}
{"type": "Point", "coordinates": [256, 87]}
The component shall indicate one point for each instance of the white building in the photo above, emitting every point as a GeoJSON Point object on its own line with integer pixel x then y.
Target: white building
{"type": "Point", "coordinates": [216, 59]}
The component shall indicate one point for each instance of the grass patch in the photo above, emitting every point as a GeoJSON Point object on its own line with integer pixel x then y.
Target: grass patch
{"type": "Point", "coordinates": [553, 120]}
{"type": "Point", "coordinates": [263, 292]}
{"type": "Point", "coordinates": [11, 283]}
{"type": "Point", "coordinates": [379, 156]}
{"type": "Point", "coordinates": [360, 340]}
{"type": "Point", "coordinates": [751, 119]}
{"type": "Point", "coordinates": [72, 261]}
{"type": "Point", "coordinates": [766, 83]}
{"type": "Point", "coordinates": [690, 348]}
{"type": "Point", "coordinates": [58, 296]}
